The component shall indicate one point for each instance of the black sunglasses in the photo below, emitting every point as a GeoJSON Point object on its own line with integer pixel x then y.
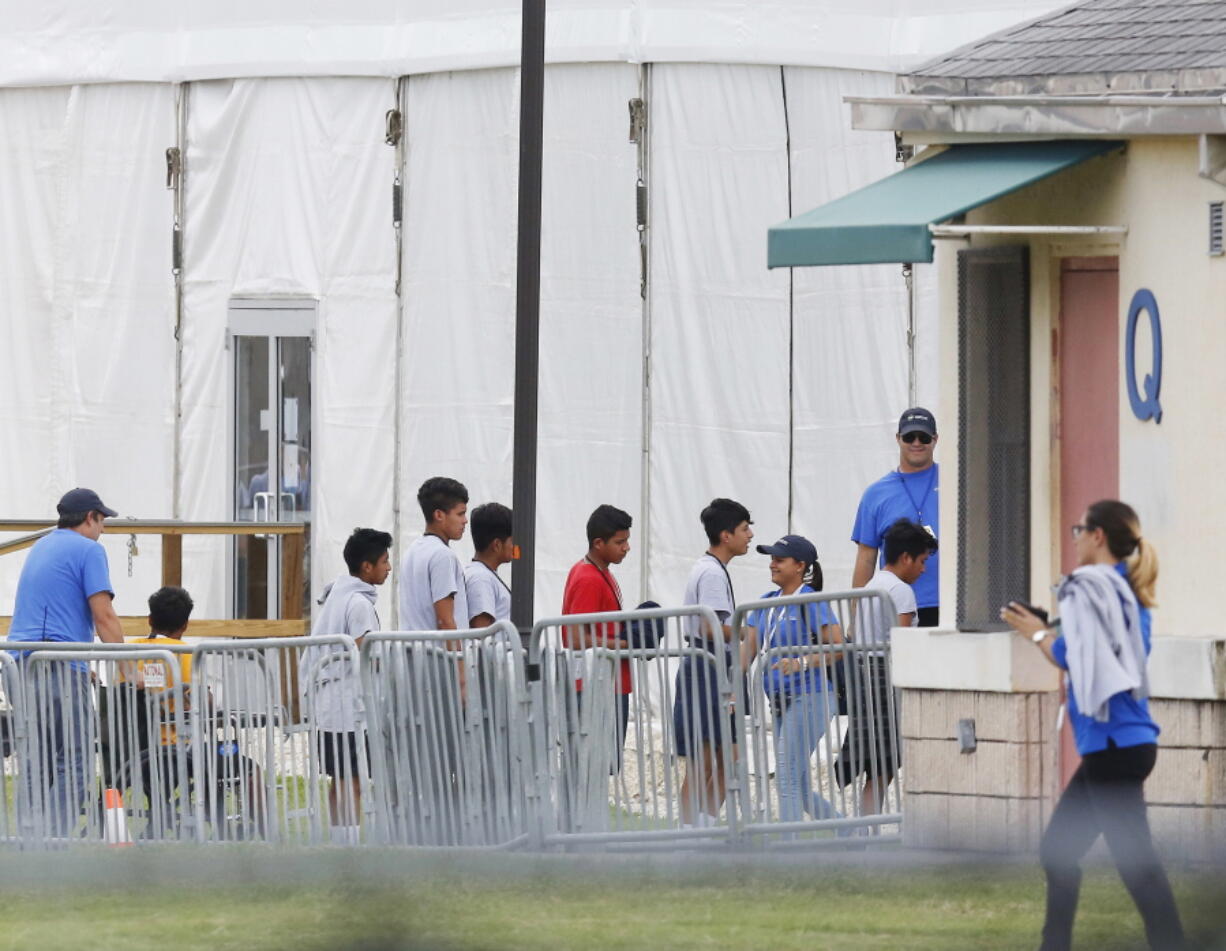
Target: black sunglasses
{"type": "Point", "coordinates": [924, 438]}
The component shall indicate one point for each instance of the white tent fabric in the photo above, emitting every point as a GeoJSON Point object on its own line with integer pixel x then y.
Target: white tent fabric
{"type": "Point", "coordinates": [287, 194]}
{"type": "Point", "coordinates": [460, 299]}
{"type": "Point", "coordinates": [58, 42]}
{"type": "Point", "coordinates": [719, 318]}
{"type": "Point", "coordinates": [779, 390]}
{"type": "Point", "coordinates": [86, 315]}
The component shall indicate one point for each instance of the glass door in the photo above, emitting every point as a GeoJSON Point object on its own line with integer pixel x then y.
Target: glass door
{"type": "Point", "coordinates": [272, 461]}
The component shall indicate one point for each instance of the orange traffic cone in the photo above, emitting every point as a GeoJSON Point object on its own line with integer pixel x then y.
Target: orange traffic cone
{"type": "Point", "coordinates": [116, 821]}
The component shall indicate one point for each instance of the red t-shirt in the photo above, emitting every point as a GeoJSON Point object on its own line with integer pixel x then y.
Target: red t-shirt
{"type": "Point", "coordinates": [591, 591]}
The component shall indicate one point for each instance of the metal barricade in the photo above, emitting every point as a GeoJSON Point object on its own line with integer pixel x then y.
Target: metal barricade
{"type": "Point", "coordinates": [448, 714]}
{"type": "Point", "coordinates": [634, 730]}
{"type": "Point", "coordinates": [258, 775]}
{"type": "Point", "coordinates": [95, 755]}
{"type": "Point", "coordinates": [823, 737]}
{"type": "Point", "coordinates": [12, 741]}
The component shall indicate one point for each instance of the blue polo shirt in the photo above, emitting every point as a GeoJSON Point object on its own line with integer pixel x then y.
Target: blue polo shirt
{"type": "Point", "coordinates": [1128, 720]}
{"type": "Point", "coordinates": [910, 495]}
{"type": "Point", "coordinates": [60, 574]}
{"type": "Point", "coordinates": [788, 627]}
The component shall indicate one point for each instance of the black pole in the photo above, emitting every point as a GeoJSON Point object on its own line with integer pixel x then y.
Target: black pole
{"type": "Point", "coordinates": [528, 312]}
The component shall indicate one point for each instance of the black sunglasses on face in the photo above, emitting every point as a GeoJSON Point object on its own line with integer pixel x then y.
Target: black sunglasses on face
{"type": "Point", "coordinates": [924, 438]}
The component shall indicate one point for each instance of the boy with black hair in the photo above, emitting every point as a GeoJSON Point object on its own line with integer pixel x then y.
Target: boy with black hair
{"type": "Point", "coordinates": [332, 691]}
{"type": "Point", "coordinates": [907, 546]}
{"type": "Point", "coordinates": [592, 589]}
{"type": "Point", "coordinates": [489, 598]}
{"type": "Point", "coordinates": [696, 707]}
{"type": "Point", "coordinates": [432, 596]}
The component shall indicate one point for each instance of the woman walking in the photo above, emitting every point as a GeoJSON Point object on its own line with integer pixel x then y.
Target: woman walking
{"type": "Point", "coordinates": [795, 681]}
{"type": "Point", "coordinates": [1103, 643]}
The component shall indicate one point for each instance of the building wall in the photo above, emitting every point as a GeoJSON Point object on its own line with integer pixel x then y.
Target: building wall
{"type": "Point", "coordinates": [1167, 469]}
{"type": "Point", "coordinates": [999, 796]}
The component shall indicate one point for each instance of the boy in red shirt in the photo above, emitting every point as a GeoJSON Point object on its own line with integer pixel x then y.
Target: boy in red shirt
{"type": "Point", "coordinates": [590, 589]}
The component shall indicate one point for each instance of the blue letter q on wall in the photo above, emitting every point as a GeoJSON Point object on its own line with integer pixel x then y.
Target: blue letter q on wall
{"type": "Point", "coordinates": [1145, 403]}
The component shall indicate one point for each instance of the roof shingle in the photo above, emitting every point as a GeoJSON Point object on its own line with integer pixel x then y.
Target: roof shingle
{"type": "Point", "coordinates": [1106, 37]}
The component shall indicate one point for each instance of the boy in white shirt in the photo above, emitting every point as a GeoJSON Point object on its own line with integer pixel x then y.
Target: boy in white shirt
{"type": "Point", "coordinates": [332, 689]}
{"type": "Point", "coordinates": [907, 546]}
{"type": "Point", "coordinates": [489, 598]}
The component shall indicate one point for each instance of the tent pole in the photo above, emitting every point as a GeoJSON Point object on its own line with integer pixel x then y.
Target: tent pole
{"type": "Point", "coordinates": [176, 479]}
{"type": "Point", "coordinates": [528, 312]}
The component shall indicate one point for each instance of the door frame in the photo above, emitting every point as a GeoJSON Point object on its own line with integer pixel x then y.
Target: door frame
{"type": "Point", "coordinates": [271, 317]}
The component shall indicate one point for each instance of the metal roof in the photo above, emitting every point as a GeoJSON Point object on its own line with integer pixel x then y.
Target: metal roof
{"type": "Point", "coordinates": [1096, 46]}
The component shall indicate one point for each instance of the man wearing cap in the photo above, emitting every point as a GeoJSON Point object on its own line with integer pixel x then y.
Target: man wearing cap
{"type": "Point", "coordinates": [909, 492]}
{"type": "Point", "coordinates": [64, 594]}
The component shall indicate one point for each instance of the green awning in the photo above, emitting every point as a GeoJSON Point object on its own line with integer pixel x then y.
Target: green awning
{"type": "Point", "coordinates": [887, 221]}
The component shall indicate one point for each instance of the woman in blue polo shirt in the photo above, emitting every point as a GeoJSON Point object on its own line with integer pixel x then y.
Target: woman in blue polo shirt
{"type": "Point", "coordinates": [1103, 644]}
{"type": "Point", "coordinates": [795, 681]}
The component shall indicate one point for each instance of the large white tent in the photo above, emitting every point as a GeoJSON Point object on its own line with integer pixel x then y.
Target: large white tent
{"type": "Point", "coordinates": [720, 378]}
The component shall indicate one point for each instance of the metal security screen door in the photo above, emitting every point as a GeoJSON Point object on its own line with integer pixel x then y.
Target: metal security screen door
{"type": "Point", "coordinates": [994, 433]}
{"type": "Point", "coordinates": [271, 347]}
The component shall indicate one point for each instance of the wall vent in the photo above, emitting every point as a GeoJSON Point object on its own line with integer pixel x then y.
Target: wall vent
{"type": "Point", "coordinates": [1217, 239]}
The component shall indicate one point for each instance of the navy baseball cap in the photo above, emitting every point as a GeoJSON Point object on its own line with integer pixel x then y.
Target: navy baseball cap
{"type": "Point", "coordinates": [83, 500]}
{"type": "Point", "coordinates": [917, 420]}
{"type": "Point", "coordinates": [792, 546]}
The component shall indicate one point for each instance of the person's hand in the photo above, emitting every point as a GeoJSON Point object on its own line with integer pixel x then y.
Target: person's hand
{"type": "Point", "coordinates": [1021, 620]}
{"type": "Point", "coordinates": [789, 665]}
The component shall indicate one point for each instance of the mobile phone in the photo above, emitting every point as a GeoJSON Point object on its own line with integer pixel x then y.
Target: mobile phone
{"type": "Point", "coordinates": [1040, 613]}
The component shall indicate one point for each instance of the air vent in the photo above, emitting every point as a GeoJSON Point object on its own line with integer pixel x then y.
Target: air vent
{"type": "Point", "coordinates": [1217, 240]}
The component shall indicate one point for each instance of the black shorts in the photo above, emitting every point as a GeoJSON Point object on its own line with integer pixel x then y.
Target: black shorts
{"type": "Point", "coordinates": [338, 754]}
{"type": "Point", "coordinates": [697, 705]}
{"type": "Point", "coordinates": [870, 745]}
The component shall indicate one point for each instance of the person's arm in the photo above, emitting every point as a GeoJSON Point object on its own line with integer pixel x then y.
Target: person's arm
{"type": "Point", "coordinates": [106, 622]}
{"type": "Point", "coordinates": [481, 599]}
{"type": "Point", "coordinates": [905, 618]}
{"type": "Point", "coordinates": [832, 633]}
{"type": "Point", "coordinates": [866, 565]}
{"type": "Point", "coordinates": [1028, 624]}
{"type": "Point", "coordinates": [444, 613]}
{"type": "Point", "coordinates": [749, 645]}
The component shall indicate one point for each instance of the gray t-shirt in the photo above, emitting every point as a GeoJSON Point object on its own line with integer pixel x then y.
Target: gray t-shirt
{"type": "Point", "coordinates": [708, 585]}
{"type": "Point", "coordinates": [902, 595]}
{"type": "Point", "coordinates": [486, 593]}
{"type": "Point", "coordinates": [429, 572]}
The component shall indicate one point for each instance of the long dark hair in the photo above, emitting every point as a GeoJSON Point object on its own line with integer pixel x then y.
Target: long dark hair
{"type": "Point", "coordinates": [813, 575]}
{"type": "Point", "coordinates": [1122, 529]}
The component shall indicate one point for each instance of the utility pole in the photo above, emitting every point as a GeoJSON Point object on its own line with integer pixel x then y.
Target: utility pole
{"type": "Point", "coordinates": [528, 312]}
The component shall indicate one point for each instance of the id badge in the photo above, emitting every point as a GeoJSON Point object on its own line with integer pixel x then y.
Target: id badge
{"type": "Point", "coordinates": [928, 529]}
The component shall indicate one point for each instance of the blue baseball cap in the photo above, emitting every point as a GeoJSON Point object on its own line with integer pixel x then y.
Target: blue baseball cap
{"type": "Point", "coordinates": [917, 420]}
{"type": "Point", "coordinates": [792, 546]}
{"type": "Point", "coordinates": [82, 500]}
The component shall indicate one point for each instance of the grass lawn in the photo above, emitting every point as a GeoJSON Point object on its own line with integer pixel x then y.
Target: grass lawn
{"type": "Point", "coordinates": [253, 898]}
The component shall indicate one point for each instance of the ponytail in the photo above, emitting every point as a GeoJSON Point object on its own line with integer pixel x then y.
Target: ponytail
{"type": "Point", "coordinates": [1142, 567]}
{"type": "Point", "coordinates": [1122, 529]}
{"type": "Point", "coordinates": [813, 577]}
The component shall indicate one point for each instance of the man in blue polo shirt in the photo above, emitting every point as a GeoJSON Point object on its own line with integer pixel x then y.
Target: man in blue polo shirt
{"type": "Point", "coordinates": [64, 594]}
{"type": "Point", "coordinates": [909, 492]}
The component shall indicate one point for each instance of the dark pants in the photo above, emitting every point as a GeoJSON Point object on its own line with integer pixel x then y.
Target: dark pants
{"type": "Point", "coordinates": [1105, 797]}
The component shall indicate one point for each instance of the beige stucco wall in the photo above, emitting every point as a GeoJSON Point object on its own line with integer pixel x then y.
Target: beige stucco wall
{"type": "Point", "coordinates": [1173, 472]}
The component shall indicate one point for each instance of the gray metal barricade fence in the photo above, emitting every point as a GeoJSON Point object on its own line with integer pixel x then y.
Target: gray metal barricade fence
{"type": "Point", "coordinates": [634, 731]}
{"type": "Point", "coordinates": [638, 729]}
{"type": "Point", "coordinates": [449, 741]}
{"type": "Point", "coordinates": [823, 740]}
{"type": "Point", "coordinates": [12, 740]}
{"type": "Point", "coordinates": [94, 756]}
{"type": "Point", "coordinates": [260, 770]}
